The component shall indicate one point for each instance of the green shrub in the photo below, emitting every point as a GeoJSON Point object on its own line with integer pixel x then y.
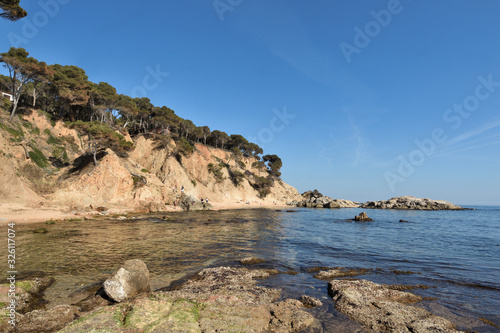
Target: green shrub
{"type": "Point", "coordinates": [216, 171]}
{"type": "Point", "coordinates": [184, 147]}
{"type": "Point", "coordinates": [145, 170]}
{"type": "Point", "coordinates": [139, 181]}
{"type": "Point", "coordinates": [237, 177]}
{"type": "Point", "coordinates": [194, 183]}
{"type": "Point", "coordinates": [18, 134]}
{"type": "Point", "coordinates": [31, 127]}
{"type": "Point", "coordinates": [47, 131]}
{"type": "Point", "coordinates": [59, 152]}
{"type": "Point", "coordinates": [53, 140]}
{"type": "Point", "coordinates": [5, 103]}
{"type": "Point", "coordinates": [241, 164]}
{"type": "Point", "coordinates": [262, 185]}
{"type": "Point", "coordinates": [39, 158]}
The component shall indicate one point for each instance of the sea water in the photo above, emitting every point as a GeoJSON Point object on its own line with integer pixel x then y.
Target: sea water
{"type": "Point", "coordinates": [456, 254]}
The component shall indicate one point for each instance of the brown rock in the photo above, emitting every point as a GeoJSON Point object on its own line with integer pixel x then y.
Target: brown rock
{"type": "Point", "coordinates": [362, 218]}
{"type": "Point", "coordinates": [310, 302]}
{"type": "Point", "coordinates": [47, 320]}
{"type": "Point", "coordinates": [288, 316]}
{"type": "Point", "coordinates": [251, 261]}
{"type": "Point", "coordinates": [383, 309]}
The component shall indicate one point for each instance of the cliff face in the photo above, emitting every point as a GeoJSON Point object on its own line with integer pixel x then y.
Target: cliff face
{"type": "Point", "coordinates": [149, 178]}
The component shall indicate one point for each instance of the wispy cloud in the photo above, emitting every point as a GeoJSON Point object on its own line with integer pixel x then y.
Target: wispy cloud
{"type": "Point", "coordinates": [469, 145]}
{"type": "Point", "coordinates": [473, 133]}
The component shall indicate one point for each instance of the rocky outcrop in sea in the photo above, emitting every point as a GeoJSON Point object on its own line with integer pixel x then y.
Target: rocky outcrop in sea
{"type": "Point", "coordinates": [409, 202]}
{"type": "Point", "coordinates": [314, 199]}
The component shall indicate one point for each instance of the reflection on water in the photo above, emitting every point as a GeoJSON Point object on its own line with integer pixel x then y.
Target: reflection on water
{"type": "Point", "coordinates": [80, 253]}
{"type": "Point", "coordinates": [455, 252]}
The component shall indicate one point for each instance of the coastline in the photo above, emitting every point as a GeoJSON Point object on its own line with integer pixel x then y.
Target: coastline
{"type": "Point", "coordinates": [23, 214]}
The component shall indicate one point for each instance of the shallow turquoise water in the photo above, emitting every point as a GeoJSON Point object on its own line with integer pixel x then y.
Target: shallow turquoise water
{"type": "Point", "coordinates": [457, 253]}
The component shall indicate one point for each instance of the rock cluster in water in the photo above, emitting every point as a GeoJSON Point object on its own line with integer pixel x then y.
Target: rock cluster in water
{"type": "Point", "coordinates": [409, 202]}
{"type": "Point", "coordinates": [314, 199]}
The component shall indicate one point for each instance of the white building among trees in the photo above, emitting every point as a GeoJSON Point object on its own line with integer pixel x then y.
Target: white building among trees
{"type": "Point", "coordinates": [9, 96]}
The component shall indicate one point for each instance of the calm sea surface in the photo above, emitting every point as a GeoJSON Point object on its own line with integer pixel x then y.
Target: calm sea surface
{"type": "Point", "coordinates": [456, 253]}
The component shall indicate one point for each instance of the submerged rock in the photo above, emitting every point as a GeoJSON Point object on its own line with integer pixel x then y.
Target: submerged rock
{"type": "Point", "coordinates": [340, 272]}
{"type": "Point", "coordinates": [251, 261]}
{"type": "Point", "coordinates": [128, 281]}
{"type": "Point", "coordinates": [381, 308]}
{"type": "Point", "coordinates": [28, 293]}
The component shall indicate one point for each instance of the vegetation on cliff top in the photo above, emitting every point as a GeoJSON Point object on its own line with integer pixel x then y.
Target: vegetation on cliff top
{"type": "Point", "coordinates": [103, 118]}
{"type": "Point", "coordinates": [65, 93]}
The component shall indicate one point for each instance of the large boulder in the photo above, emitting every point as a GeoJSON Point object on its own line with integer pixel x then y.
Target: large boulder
{"type": "Point", "coordinates": [190, 203]}
{"type": "Point", "coordinates": [381, 308]}
{"type": "Point", "coordinates": [128, 281]}
{"type": "Point", "coordinates": [332, 204]}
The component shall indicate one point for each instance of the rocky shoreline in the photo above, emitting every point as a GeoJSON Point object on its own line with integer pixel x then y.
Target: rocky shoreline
{"type": "Point", "coordinates": [409, 202]}
{"type": "Point", "coordinates": [314, 199]}
{"type": "Point", "coordinates": [222, 299]}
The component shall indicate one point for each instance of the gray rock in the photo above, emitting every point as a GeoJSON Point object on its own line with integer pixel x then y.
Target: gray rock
{"type": "Point", "coordinates": [409, 202]}
{"type": "Point", "coordinates": [128, 281]}
{"type": "Point", "coordinates": [190, 203]}
{"type": "Point", "coordinates": [381, 308]}
{"type": "Point", "coordinates": [333, 205]}
{"type": "Point", "coordinates": [310, 301]}
{"type": "Point", "coordinates": [314, 199]}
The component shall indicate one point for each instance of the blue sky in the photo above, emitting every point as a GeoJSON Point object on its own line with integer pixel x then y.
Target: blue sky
{"type": "Point", "coordinates": [363, 100]}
